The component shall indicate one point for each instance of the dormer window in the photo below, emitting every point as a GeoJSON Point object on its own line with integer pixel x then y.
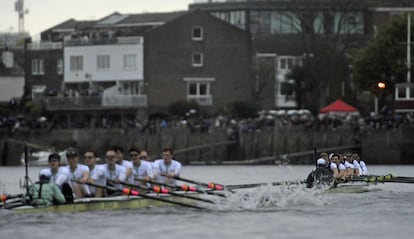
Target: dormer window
{"type": "Point", "coordinates": [197, 33]}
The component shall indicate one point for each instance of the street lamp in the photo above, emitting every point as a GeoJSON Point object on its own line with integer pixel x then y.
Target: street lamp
{"type": "Point", "coordinates": [381, 86]}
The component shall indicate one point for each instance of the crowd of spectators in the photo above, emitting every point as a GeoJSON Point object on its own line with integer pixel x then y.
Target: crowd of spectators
{"type": "Point", "coordinates": [304, 121]}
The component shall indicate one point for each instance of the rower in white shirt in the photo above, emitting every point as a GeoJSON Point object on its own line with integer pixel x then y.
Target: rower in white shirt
{"type": "Point", "coordinates": [349, 166]}
{"type": "Point", "coordinates": [60, 176]}
{"type": "Point", "coordinates": [78, 172]}
{"type": "Point", "coordinates": [127, 164]}
{"type": "Point", "coordinates": [363, 166]}
{"type": "Point", "coordinates": [141, 168]}
{"type": "Point", "coordinates": [97, 174]}
{"type": "Point", "coordinates": [338, 169]}
{"type": "Point", "coordinates": [113, 172]}
{"type": "Point", "coordinates": [167, 166]}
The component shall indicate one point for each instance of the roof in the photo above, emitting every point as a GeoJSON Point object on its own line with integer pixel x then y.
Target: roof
{"type": "Point", "coordinates": [118, 20]}
{"type": "Point", "coordinates": [150, 18]}
{"type": "Point", "coordinates": [338, 106]}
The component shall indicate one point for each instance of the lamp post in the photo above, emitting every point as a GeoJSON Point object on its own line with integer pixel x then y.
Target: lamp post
{"type": "Point", "coordinates": [381, 86]}
{"type": "Point", "coordinates": [408, 47]}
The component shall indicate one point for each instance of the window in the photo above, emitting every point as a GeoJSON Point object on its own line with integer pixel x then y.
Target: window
{"type": "Point", "coordinates": [283, 64]}
{"type": "Point", "coordinates": [130, 61]}
{"type": "Point", "coordinates": [287, 88]}
{"type": "Point", "coordinates": [197, 59]}
{"type": "Point", "coordinates": [76, 63]}
{"type": "Point", "coordinates": [197, 34]}
{"type": "Point", "coordinates": [38, 67]}
{"type": "Point", "coordinates": [318, 23]}
{"type": "Point", "coordinates": [401, 93]}
{"type": "Point", "coordinates": [198, 90]}
{"type": "Point", "coordinates": [102, 62]}
{"type": "Point", "coordinates": [59, 66]}
{"type": "Point", "coordinates": [349, 22]}
{"type": "Point", "coordinates": [411, 92]}
{"type": "Point", "coordinates": [285, 22]}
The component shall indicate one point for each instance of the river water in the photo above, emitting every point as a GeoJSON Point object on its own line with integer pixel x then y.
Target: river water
{"type": "Point", "coordinates": [387, 211]}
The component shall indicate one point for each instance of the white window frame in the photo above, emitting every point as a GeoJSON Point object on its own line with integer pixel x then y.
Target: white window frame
{"type": "Point", "coordinates": [38, 67]}
{"type": "Point", "coordinates": [195, 62]}
{"type": "Point", "coordinates": [195, 36]}
{"type": "Point", "coordinates": [130, 61]}
{"type": "Point", "coordinates": [203, 99]}
{"type": "Point", "coordinates": [76, 63]}
{"type": "Point", "coordinates": [59, 66]}
{"type": "Point", "coordinates": [103, 62]}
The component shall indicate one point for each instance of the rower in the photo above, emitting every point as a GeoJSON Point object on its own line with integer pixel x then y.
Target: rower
{"type": "Point", "coordinates": [337, 167]}
{"type": "Point", "coordinates": [349, 165]}
{"type": "Point", "coordinates": [320, 176]}
{"type": "Point", "coordinates": [79, 172]}
{"type": "Point", "coordinates": [120, 160]}
{"type": "Point", "coordinates": [113, 171]}
{"type": "Point", "coordinates": [97, 174]}
{"type": "Point", "coordinates": [141, 169]}
{"type": "Point", "coordinates": [168, 166]}
{"type": "Point", "coordinates": [45, 193]}
{"type": "Point", "coordinates": [60, 175]}
{"type": "Point", "coordinates": [363, 166]}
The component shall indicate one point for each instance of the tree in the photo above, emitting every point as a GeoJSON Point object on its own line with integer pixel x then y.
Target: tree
{"type": "Point", "coordinates": [384, 58]}
{"type": "Point", "coordinates": [325, 35]}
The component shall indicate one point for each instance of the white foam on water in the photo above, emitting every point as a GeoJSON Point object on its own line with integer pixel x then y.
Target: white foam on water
{"type": "Point", "coordinates": [270, 197]}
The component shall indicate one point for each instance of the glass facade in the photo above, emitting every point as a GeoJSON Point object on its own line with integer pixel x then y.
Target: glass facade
{"type": "Point", "coordinates": [289, 22]}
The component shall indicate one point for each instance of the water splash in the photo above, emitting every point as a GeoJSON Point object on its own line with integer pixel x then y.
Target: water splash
{"type": "Point", "coordinates": [270, 197]}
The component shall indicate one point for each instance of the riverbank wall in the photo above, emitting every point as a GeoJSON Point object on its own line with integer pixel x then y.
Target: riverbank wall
{"type": "Point", "coordinates": [267, 146]}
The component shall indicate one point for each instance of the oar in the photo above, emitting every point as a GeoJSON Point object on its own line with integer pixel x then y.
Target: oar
{"type": "Point", "coordinates": [381, 180]}
{"type": "Point", "coordinates": [127, 191]}
{"type": "Point", "coordinates": [5, 197]}
{"type": "Point", "coordinates": [184, 187]}
{"type": "Point", "coordinates": [211, 185]}
{"type": "Point", "coordinates": [389, 176]}
{"type": "Point", "coordinates": [158, 189]}
{"type": "Point", "coordinates": [253, 185]}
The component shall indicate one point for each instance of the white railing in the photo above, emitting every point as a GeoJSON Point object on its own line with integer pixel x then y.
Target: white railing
{"type": "Point", "coordinates": [96, 102]}
{"type": "Point", "coordinates": [203, 100]}
{"type": "Point", "coordinates": [45, 45]}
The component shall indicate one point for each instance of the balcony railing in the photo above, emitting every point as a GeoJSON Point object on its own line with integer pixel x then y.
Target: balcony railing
{"type": "Point", "coordinates": [203, 100]}
{"type": "Point", "coordinates": [95, 102]}
{"type": "Point", "coordinates": [103, 41]}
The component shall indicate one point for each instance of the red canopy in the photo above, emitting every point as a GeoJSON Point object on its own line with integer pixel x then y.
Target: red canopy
{"type": "Point", "coordinates": [338, 106]}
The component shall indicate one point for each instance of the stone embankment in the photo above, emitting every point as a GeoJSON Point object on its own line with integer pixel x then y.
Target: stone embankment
{"type": "Point", "coordinates": [293, 146]}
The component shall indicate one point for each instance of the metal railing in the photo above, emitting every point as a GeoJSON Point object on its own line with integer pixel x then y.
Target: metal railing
{"type": "Point", "coordinates": [95, 102]}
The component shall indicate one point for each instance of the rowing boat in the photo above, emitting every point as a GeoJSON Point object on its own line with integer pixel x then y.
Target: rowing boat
{"type": "Point", "coordinates": [106, 204]}
{"type": "Point", "coordinates": [349, 188]}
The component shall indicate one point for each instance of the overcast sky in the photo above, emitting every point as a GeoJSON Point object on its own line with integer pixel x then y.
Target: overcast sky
{"type": "Point", "coordinates": [44, 14]}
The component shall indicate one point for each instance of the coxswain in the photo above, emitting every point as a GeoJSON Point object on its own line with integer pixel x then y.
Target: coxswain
{"type": "Point", "coordinates": [321, 175]}
{"type": "Point", "coordinates": [45, 193]}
